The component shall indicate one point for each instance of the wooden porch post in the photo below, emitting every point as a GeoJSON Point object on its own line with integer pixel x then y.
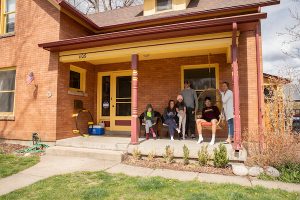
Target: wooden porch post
{"type": "Point", "coordinates": [134, 106]}
{"type": "Point", "coordinates": [236, 92]}
{"type": "Point", "coordinates": [259, 85]}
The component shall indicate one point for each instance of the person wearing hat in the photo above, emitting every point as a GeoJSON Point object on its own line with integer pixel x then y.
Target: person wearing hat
{"type": "Point", "coordinates": [191, 101]}
{"type": "Point", "coordinates": [181, 110]}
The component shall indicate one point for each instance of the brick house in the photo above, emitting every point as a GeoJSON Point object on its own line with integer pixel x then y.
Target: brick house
{"type": "Point", "coordinates": [117, 61]}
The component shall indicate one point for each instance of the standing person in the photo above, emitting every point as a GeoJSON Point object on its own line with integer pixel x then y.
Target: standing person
{"type": "Point", "coordinates": [227, 99]}
{"type": "Point", "coordinates": [149, 121]}
{"type": "Point", "coordinates": [191, 101]}
{"type": "Point", "coordinates": [169, 117]}
{"type": "Point", "coordinates": [181, 110]}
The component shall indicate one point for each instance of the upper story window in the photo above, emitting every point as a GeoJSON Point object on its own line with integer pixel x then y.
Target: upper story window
{"type": "Point", "coordinates": [7, 18]}
{"type": "Point", "coordinates": [162, 5]}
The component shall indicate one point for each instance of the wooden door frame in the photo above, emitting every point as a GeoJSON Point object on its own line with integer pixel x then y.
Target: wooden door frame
{"type": "Point", "coordinates": [112, 117]}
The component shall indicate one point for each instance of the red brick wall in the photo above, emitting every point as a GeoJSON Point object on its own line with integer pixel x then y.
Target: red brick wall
{"type": "Point", "coordinates": [65, 106]}
{"type": "Point", "coordinates": [37, 21]}
{"type": "Point", "coordinates": [248, 80]}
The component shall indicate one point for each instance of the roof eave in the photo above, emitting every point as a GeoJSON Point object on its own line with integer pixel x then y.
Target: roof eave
{"type": "Point", "coordinates": [54, 46]}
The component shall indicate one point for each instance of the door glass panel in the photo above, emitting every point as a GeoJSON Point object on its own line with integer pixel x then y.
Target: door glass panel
{"type": "Point", "coordinates": [201, 79]}
{"type": "Point", "coordinates": [123, 96]}
{"type": "Point", "coordinates": [105, 96]}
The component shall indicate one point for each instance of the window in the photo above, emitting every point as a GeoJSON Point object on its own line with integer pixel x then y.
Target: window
{"type": "Point", "coordinates": [163, 5]}
{"type": "Point", "coordinates": [77, 79]}
{"type": "Point", "coordinates": [201, 78]}
{"type": "Point", "coordinates": [7, 91]}
{"type": "Point", "coordinates": [7, 18]}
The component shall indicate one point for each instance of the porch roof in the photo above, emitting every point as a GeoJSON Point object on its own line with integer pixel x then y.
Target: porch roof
{"type": "Point", "coordinates": [216, 25]}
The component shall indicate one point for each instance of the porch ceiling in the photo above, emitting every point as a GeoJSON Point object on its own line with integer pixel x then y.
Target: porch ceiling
{"type": "Point", "coordinates": [155, 49]}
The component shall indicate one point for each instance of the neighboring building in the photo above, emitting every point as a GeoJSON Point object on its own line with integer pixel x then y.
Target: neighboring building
{"type": "Point", "coordinates": [117, 61]}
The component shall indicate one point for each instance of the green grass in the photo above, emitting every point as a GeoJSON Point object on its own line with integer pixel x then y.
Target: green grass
{"type": "Point", "coordinates": [101, 185]}
{"type": "Point", "coordinates": [11, 164]}
{"type": "Point", "coordinates": [289, 173]}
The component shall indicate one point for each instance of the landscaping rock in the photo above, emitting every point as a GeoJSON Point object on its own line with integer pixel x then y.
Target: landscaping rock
{"type": "Point", "coordinates": [240, 170]}
{"type": "Point", "coordinates": [271, 171]}
{"type": "Point", "coordinates": [255, 171]}
{"type": "Point", "coordinates": [27, 154]}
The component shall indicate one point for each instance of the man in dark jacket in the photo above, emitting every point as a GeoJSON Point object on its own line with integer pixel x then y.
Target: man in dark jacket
{"type": "Point", "coordinates": [191, 101]}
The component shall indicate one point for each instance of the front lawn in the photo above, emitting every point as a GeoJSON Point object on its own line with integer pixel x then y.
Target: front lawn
{"type": "Point", "coordinates": [101, 185]}
{"type": "Point", "coordinates": [12, 164]}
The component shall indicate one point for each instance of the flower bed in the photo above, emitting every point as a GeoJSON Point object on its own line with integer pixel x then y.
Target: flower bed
{"type": "Point", "coordinates": [177, 165]}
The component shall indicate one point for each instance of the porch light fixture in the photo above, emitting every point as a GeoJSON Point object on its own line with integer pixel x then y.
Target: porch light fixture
{"type": "Point", "coordinates": [146, 55]}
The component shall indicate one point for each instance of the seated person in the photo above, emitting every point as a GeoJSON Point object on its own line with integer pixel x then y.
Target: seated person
{"type": "Point", "coordinates": [209, 114]}
{"type": "Point", "coordinates": [170, 116]}
{"type": "Point", "coordinates": [149, 121]}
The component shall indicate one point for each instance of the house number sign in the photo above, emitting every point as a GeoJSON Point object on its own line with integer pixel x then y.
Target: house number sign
{"type": "Point", "coordinates": [82, 55]}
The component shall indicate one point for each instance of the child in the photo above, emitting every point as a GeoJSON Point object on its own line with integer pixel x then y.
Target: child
{"type": "Point", "coordinates": [149, 120]}
{"type": "Point", "coordinates": [181, 110]}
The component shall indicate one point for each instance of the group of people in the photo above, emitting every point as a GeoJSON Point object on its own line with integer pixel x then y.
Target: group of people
{"type": "Point", "coordinates": [184, 112]}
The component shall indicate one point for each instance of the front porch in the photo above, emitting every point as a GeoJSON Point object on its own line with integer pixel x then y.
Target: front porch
{"type": "Point", "coordinates": [122, 144]}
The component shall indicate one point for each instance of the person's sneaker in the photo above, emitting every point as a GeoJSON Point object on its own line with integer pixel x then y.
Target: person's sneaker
{"type": "Point", "coordinates": [193, 136]}
{"type": "Point", "coordinates": [212, 142]}
{"type": "Point", "coordinates": [172, 138]}
{"type": "Point", "coordinates": [200, 140]}
{"type": "Point", "coordinates": [178, 130]}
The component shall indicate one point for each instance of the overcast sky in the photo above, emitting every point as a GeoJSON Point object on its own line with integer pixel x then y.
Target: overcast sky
{"type": "Point", "coordinates": [278, 19]}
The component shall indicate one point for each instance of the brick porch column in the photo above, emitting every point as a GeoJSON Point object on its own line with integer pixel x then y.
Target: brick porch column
{"type": "Point", "coordinates": [236, 92]}
{"type": "Point", "coordinates": [134, 104]}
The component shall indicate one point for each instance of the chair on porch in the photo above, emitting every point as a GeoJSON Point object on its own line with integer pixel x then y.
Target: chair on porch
{"type": "Point", "coordinates": [216, 97]}
{"type": "Point", "coordinates": [157, 118]}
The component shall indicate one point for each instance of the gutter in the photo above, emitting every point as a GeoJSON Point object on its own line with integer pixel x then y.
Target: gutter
{"type": "Point", "coordinates": [155, 30]}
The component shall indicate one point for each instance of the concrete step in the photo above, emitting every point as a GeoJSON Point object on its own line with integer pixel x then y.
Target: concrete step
{"type": "Point", "coordinates": [107, 155]}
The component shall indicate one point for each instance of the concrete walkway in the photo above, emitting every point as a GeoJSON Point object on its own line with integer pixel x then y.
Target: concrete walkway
{"type": "Point", "coordinates": [56, 165]}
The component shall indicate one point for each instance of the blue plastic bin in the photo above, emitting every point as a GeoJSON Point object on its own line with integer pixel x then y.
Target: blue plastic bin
{"type": "Point", "coordinates": [96, 130]}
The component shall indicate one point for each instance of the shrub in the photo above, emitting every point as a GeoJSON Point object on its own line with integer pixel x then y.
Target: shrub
{"type": "Point", "coordinates": [276, 149]}
{"type": "Point", "coordinates": [220, 156]}
{"type": "Point", "coordinates": [136, 153]}
{"type": "Point", "coordinates": [276, 144]}
{"type": "Point", "coordinates": [203, 156]}
{"type": "Point", "coordinates": [169, 154]}
{"type": "Point", "coordinates": [151, 156]}
{"type": "Point", "coordinates": [186, 155]}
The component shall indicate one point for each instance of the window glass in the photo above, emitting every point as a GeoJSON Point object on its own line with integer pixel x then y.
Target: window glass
{"type": "Point", "coordinates": [10, 5]}
{"type": "Point", "coordinates": [10, 23]}
{"type": "Point", "coordinates": [123, 96]}
{"type": "Point", "coordinates": [201, 79]}
{"type": "Point", "coordinates": [7, 80]}
{"type": "Point", "coordinates": [106, 96]}
{"type": "Point", "coordinates": [163, 5]}
{"type": "Point", "coordinates": [74, 80]}
{"type": "Point", "coordinates": [7, 90]}
{"type": "Point", "coordinates": [7, 101]}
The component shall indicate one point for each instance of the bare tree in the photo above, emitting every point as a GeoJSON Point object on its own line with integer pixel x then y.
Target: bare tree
{"type": "Point", "coordinates": [95, 6]}
{"type": "Point", "coordinates": [291, 46]}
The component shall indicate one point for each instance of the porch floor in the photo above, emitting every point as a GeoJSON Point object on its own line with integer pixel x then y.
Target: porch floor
{"type": "Point", "coordinates": [111, 142]}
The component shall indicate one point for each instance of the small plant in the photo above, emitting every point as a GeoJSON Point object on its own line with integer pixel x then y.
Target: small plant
{"type": "Point", "coordinates": [151, 156]}
{"type": "Point", "coordinates": [186, 155]}
{"type": "Point", "coordinates": [203, 156]}
{"type": "Point", "coordinates": [169, 155]}
{"type": "Point", "coordinates": [220, 156]}
{"type": "Point", "coordinates": [136, 153]}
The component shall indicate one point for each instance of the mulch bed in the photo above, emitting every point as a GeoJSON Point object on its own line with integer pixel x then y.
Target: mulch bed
{"type": "Point", "coordinates": [159, 163]}
{"type": "Point", "coordinates": [10, 148]}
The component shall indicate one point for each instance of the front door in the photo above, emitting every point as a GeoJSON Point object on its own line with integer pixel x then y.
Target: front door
{"type": "Point", "coordinates": [115, 100]}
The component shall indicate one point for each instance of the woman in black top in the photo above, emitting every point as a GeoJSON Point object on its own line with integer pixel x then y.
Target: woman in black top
{"type": "Point", "coordinates": [170, 118]}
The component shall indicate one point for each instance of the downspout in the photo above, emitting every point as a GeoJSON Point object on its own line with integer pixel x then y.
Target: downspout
{"type": "Point", "coordinates": [259, 83]}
